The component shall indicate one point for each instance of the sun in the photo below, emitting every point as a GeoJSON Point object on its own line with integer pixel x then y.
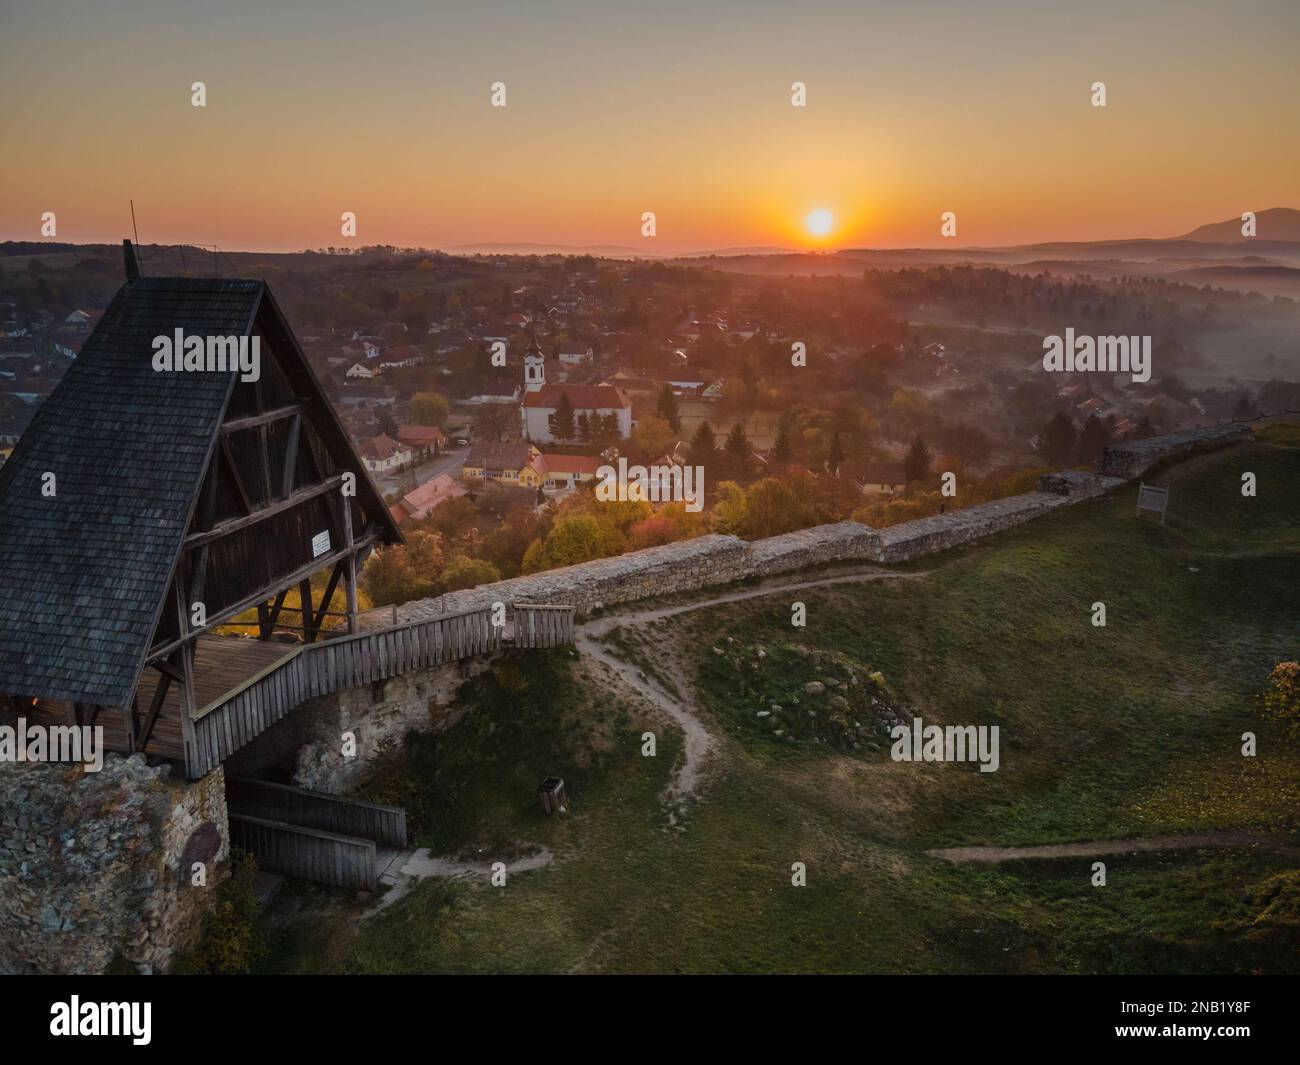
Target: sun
{"type": "Point", "coordinates": [819, 222]}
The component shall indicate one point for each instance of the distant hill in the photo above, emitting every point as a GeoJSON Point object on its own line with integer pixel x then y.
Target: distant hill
{"type": "Point", "coordinates": [1276, 223]}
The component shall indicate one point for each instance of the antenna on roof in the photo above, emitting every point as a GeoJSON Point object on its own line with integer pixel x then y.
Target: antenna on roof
{"type": "Point", "coordinates": [133, 225]}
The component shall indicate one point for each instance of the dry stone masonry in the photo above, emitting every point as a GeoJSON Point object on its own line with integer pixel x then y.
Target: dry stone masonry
{"type": "Point", "coordinates": [98, 866]}
{"type": "Point", "coordinates": [714, 560]}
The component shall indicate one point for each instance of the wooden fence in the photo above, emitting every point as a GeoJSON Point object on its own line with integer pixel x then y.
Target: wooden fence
{"type": "Point", "coordinates": [540, 625]}
{"type": "Point", "coordinates": [306, 853]}
{"type": "Point", "coordinates": [331, 665]}
{"type": "Point", "coordinates": [383, 825]}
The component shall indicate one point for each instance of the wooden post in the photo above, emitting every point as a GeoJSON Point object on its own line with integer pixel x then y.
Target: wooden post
{"type": "Point", "coordinates": [351, 566]}
{"type": "Point", "coordinates": [186, 700]}
{"type": "Point", "coordinates": [304, 602]}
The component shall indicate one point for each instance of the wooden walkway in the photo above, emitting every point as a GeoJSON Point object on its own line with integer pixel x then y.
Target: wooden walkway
{"type": "Point", "coordinates": [243, 686]}
{"type": "Point", "coordinates": [221, 664]}
{"type": "Point", "coordinates": [314, 669]}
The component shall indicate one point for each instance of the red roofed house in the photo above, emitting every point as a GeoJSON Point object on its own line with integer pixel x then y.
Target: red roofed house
{"type": "Point", "coordinates": [427, 498]}
{"type": "Point", "coordinates": [382, 452]}
{"type": "Point", "coordinates": [422, 439]}
{"type": "Point", "coordinates": [559, 471]}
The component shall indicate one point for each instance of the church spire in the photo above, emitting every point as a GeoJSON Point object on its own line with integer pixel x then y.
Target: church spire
{"type": "Point", "coordinates": [534, 364]}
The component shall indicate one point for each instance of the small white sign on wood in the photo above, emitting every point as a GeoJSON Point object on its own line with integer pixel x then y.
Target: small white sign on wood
{"type": "Point", "coordinates": [1153, 499]}
{"type": "Point", "coordinates": [320, 544]}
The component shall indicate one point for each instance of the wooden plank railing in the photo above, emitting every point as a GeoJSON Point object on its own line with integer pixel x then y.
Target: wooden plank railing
{"type": "Point", "coordinates": [223, 727]}
{"type": "Point", "coordinates": [383, 825]}
{"type": "Point", "coordinates": [306, 853]}
{"type": "Point", "coordinates": [543, 625]}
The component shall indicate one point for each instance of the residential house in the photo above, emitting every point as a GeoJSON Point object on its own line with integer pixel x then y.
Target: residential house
{"type": "Point", "coordinates": [424, 500]}
{"type": "Point", "coordinates": [424, 440]}
{"type": "Point", "coordinates": [559, 471]}
{"type": "Point", "coordinates": [382, 452]}
{"type": "Point", "coordinates": [499, 463]}
{"type": "Point", "coordinates": [576, 354]}
{"type": "Point", "coordinates": [358, 372]}
{"type": "Point", "coordinates": [877, 478]}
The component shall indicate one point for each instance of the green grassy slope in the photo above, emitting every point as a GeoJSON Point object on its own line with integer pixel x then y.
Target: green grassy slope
{"type": "Point", "coordinates": [1129, 730]}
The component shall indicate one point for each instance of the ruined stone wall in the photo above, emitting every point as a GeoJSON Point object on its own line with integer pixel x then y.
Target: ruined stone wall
{"type": "Point", "coordinates": [710, 561]}
{"type": "Point", "coordinates": [377, 719]}
{"type": "Point", "coordinates": [95, 866]}
{"type": "Point", "coordinates": [1134, 458]}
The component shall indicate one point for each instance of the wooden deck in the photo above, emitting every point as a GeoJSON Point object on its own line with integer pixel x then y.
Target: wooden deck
{"type": "Point", "coordinates": [221, 664]}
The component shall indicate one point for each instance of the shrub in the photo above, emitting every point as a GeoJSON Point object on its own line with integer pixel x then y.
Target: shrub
{"type": "Point", "coordinates": [1280, 702]}
{"type": "Point", "coordinates": [232, 940]}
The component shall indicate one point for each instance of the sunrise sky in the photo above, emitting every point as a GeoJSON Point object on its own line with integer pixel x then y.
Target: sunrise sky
{"type": "Point", "coordinates": [383, 108]}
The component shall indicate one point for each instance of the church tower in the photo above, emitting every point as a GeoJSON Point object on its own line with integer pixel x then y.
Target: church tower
{"type": "Point", "coordinates": [534, 365]}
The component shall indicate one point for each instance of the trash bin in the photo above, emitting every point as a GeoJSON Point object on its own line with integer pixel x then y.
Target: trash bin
{"type": "Point", "coordinates": [554, 798]}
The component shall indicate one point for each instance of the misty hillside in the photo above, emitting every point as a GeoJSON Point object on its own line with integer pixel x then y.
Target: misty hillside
{"type": "Point", "coordinates": [1277, 223]}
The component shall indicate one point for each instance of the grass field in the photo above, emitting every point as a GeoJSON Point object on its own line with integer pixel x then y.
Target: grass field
{"type": "Point", "coordinates": [1133, 729]}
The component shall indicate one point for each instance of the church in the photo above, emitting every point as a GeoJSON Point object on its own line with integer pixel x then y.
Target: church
{"type": "Point", "coordinates": [541, 401]}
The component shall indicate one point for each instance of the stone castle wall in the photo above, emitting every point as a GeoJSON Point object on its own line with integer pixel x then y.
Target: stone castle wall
{"type": "Point", "coordinates": [713, 560]}
{"type": "Point", "coordinates": [97, 866]}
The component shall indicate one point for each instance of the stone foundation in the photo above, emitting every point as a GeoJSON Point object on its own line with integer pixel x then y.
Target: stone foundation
{"type": "Point", "coordinates": [98, 866]}
{"type": "Point", "coordinates": [308, 746]}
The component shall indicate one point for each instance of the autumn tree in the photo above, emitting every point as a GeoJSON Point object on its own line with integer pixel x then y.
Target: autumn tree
{"type": "Point", "coordinates": [561, 422]}
{"type": "Point", "coordinates": [916, 464]}
{"type": "Point", "coordinates": [652, 437]}
{"type": "Point", "coordinates": [667, 408]}
{"type": "Point", "coordinates": [738, 453]}
{"type": "Point", "coordinates": [1281, 700]}
{"type": "Point", "coordinates": [465, 572]}
{"type": "Point", "coordinates": [1094, 438]}
{"type": "Point", "coordinates": [429, 408]}
{"type": "Point", "coordinates": [783, 447]}
{"type": "Point", "coordinates": [836, 454]}
{"type": "Point", "coordinates": [1059, 440]}
{"type": "Point", "coordinates": [703, 448]}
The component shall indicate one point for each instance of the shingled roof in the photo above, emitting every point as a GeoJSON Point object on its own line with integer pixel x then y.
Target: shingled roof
{"type": "Point", "coordinates": [83, 572]}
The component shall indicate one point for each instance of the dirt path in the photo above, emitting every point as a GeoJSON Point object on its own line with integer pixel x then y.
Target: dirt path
{"type": "Point", "coordinates": [421, 865]}
{"type": "Point", "coordinates": [1101, 848]}
{"type": "Point", "coordinates": [700, 744]}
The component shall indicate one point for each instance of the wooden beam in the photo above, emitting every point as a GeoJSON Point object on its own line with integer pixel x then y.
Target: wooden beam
{"type": "Point", "coordinates": [160, 693]}
{"type": "Point", "coordinates": [129, 712]}
{"type": "Point", "coordinates": [304, 597]}
{"type": "Point", "coordinates": [291, 457]}
{"type": "Point", "coordinates": [351, 560]}
{"type": "Point", "coordinates": [185, 649]}
{"type": "Point", "coordinates": [251, 601]}
{"type": "Point", "coordinates": [293, 410]}
{"type": "Point", "coordinates": [235, 479]}
{"type": "Point", "coordinates": [273, 615]}
{"type": "Point", "coordinates": [264, 453]}
{"type": "Point", "coordinates": [167, 669]}
{"type": "Point", "coordinates": [232, 525]}
{"type": "Point", "coordinates": [329, 594]}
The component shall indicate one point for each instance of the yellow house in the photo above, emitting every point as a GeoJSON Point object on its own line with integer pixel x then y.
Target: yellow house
{"type": "Point", "coordinates": [498, 463]}
{"type": "Point", "coordinates": [558, 471]}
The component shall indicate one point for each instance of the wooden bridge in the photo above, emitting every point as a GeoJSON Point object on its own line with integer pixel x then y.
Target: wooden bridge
{"type": "Point", "coordinates": [310, 670]}
{"type": "Point", "coordinates": [244, 686]}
